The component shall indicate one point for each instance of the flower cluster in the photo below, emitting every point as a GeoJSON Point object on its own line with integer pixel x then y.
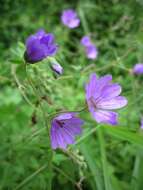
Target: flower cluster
{"type": "Point", "coordinates": [102, 95]}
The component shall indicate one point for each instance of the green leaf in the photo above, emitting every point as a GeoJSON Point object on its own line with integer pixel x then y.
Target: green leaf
{"type": "Point", "coordinates": [93, 163]}
{"type": "Point", "coordinates": [125, 134]}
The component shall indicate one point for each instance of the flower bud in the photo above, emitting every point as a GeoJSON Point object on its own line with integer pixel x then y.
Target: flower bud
{"type": "Point", "coordinates": [55, 66]}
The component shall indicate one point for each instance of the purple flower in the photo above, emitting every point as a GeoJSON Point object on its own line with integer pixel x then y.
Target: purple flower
{"type": "Point", "coordinates": [86, 41]}
{"type": "Point", "coordinates": [141, 123]}
{"type": "Point", "coordinates": [39, 46]}
{"type": "Point", "coordinates": [91, 52]}
{"type": "Point", "coordinates": [102, 97]}
{"type": "Point", "coordinates": [70, 19]}
{"type": "Point", "coordinates": [90, 48]}
{"type": "Point", "coordinates": [64, 129]}
{"type": "Point", "coordinates": [138, 69]}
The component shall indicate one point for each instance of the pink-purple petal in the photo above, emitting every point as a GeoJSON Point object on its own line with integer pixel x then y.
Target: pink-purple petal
{"type": "Point", "coordinates": [67, 136]}
{"type": "Point", "coordinates": [91, 86]}
{"type": "Point", "coordinates": [54, 143]}
{"type": "Point", "coordinates": [110, 91]}
{"type": "Point", "coordinates": [91, 51]}
{"type": "Point", "coordinates": [108, 117]}
{"type": "Point", "coordinates": [48, 39]}
{"type": "Point", "coordinates": [101, 83]}
{"type": "Point", "coordinates": [64, 116]}
{"type": "Point", "coordinates": [74, 130]}
{"type": "Point", "coordinates": [40, 33]}
{"type": "Point", "coordinates": [61, 143]}
{"type": "Point", "coordinates": [74, 23]}
{"type": "Point", "coordinates": [114, 103]}
{"type": "Point", "coordinates": [86, 41]}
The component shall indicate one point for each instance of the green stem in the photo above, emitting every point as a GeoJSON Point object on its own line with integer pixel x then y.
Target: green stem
{"type": "Point", "coordinates": [104, 159]}
{"type": "Point", "coordinates": [50, 153]}
{"type": "Point", "coordinates": [19, 85]}
{"type": "Point", "coordinates": [29, 178]}
{"type": "Point", "coordinates": [87, 135]}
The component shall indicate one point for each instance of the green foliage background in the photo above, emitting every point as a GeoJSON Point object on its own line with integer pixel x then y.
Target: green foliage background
{"type": "Point", "coordinates": [104, 157]}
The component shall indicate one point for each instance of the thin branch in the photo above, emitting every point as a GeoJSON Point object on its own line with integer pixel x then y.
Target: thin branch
{"type": "Point", "coordinates": [30, 177]}
{"type": "Point", "coordinates": [20, 86]}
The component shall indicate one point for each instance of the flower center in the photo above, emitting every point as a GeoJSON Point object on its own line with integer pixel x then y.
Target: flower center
{"type": "Point", "coordinates": [60, 123]}
{"type": "Point", "coordinates": [92, 102]}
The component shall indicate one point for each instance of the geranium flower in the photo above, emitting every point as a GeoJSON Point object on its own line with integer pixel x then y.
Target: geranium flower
{"type": "Point", "coordinates": [64, 128]}
{"type": "Point", "coordinates": [138, 69]}
{"type": "Point", "coordinates": [102, 97]}
{"type": "Point", "coordinates": [70, 18]}
{"type": "Point", "coordinates": [40, 46]}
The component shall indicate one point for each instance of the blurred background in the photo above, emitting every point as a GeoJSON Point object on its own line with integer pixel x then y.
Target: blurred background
{"type": "Point", "coordinates": [111, 160]}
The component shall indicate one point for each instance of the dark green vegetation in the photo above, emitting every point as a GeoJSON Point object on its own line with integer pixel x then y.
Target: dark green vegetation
{"type": "Point", "coordinates": [105, 157]}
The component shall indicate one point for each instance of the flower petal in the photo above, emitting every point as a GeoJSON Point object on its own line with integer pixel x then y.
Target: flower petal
{"type": "Point", "coordinates": [74, 23]}
{"type": "Point", "coordinates": [91, 86]}
{"type": "Point", "coordinates": [40, 33]}
{"type": "Point", "coordinates": [54, 143]}
{"type": "Point", "coordinates": [95, 86]}
{"type": "Point", "coordinates": [64, 116]}
{"type": "Point", "coordinates": [110, 91]}
{"type": "Point", "coordinates": [106, 117]}
{"type": "Point", "coordinates": [51, 50]}
{"type": "Point", "coordinates": [86, 41]}
{"type": "Point", "coordinates": [114, 103]}
{"type": "Point", "coordinates": [47, 39]}
{"type": "Point", "coordinates": [67, 136]}
{"type": "Point", "coordinates": [53, 134]}
{"type": "Point", "coordinates": [102, 82]}
{"type": "Point", "coordinates": [74, 126]}
{"type": "Point", "coordinates": [91, 51]}
{"type": "Point", "coordinates": [60, 139]}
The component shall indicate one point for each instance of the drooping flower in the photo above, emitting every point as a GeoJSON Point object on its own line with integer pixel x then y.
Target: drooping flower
{"type": "Point", "coordinates": [40, 46]}
{"type": "Point", "coordinates": [102, 97]}
{"type": "Point", "coordinates": [90, 48]}
{"type": "Point", "coordinates": [138, 69]}
{"type": "Point", "coordinates": [64, 129]}
{"type": "Point", "coordinates": [70, 18]}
